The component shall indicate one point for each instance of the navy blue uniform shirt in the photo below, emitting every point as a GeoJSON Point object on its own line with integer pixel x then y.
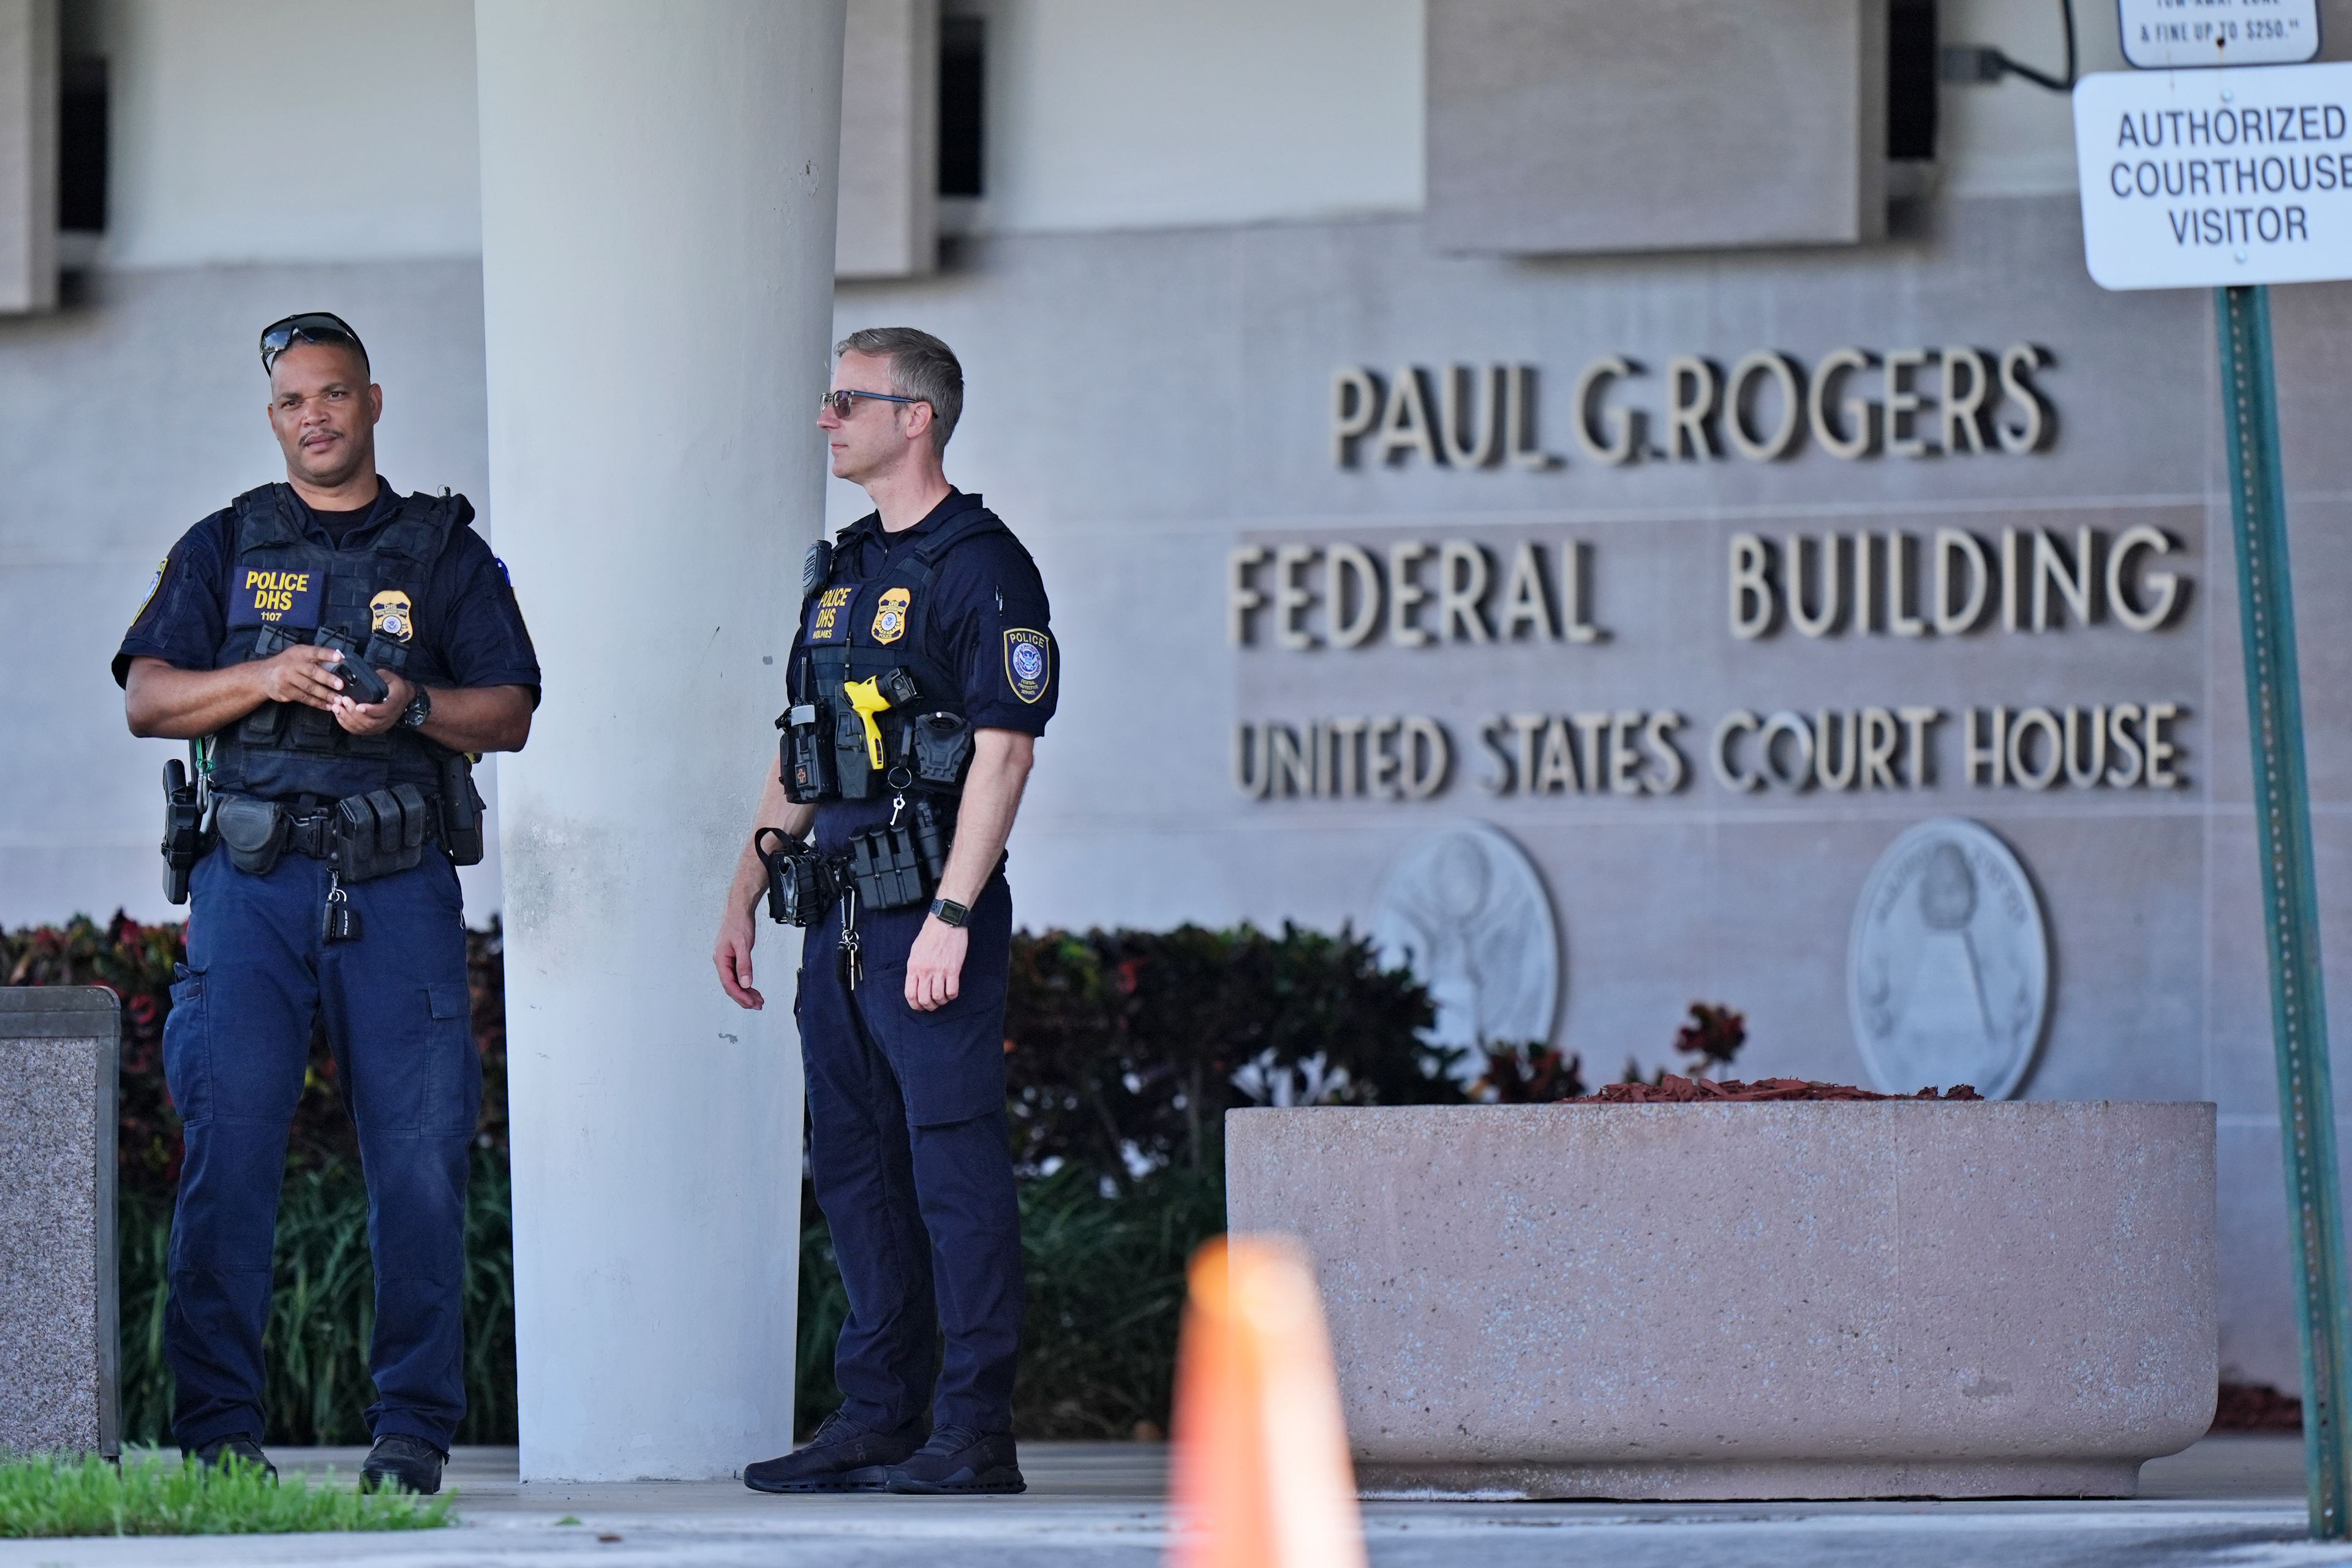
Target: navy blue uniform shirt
{"type": "Point", "coordinates": [986, 588]}
{"type": "Point", "coordinates": [469, 609]}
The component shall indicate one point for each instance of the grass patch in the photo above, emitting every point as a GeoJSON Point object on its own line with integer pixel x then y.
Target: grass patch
{"type": "Point", "coordinates": [52, 1497]}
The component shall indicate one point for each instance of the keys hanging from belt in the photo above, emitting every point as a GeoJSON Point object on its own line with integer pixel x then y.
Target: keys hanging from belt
{"type": "Point", "coordinates": [338, 922]}
{"type": "Point", "coordinates": [852, 968]}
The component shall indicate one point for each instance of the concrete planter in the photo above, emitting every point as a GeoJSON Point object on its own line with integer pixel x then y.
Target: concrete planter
{"type": "Point", "coordinates": [1807, 1299]}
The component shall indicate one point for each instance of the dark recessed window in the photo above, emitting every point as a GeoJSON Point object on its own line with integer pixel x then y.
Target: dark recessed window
{"type": "Point", "coordinates": [1911, 59]}
{"type": "Point", "coordinates": [960, 80]}
{"type": "Point", "coordinates": [82, 146]}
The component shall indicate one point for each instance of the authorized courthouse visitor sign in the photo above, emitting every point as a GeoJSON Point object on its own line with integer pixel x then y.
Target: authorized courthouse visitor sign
{"type": "Point", "coordinates": [2204, 179]}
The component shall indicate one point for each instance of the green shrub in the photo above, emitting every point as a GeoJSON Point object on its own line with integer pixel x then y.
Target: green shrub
{"type": "Point", "coordinates": [1123, 1049]}
{"type": "Point", "coordinates": [48, 1496]}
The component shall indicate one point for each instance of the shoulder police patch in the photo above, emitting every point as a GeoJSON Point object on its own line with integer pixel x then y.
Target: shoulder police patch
{"type": "Point", "coordinates": [890, 616]}
{"type": "Point", "coordinates": [1028, 662]}
{"type": "Point", "coordinates": [152, 584]}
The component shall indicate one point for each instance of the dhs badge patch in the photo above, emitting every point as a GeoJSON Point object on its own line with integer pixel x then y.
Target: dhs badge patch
{"type": "Point", "coordinates": [1028, 663]}
{"type": "Point", "coordinates": [890, 616]}
{"type": "Point", "coordinates": [388, 613]}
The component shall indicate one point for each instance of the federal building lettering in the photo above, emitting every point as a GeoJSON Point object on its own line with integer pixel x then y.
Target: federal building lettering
{"type": "Point", "coordinates": [1414, 593]}
{"type": "Point", "coordinates": [1454, 605]}
{"type": "Point", "coordinates": [1852, 403]}
{"type": "Point", "coordinates": [1952, 582]}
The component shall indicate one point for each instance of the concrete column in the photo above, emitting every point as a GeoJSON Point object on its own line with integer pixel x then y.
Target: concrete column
{"type": "Point", "coordinates": [659, 187]}
{"type": "Point", "coordinates": [28, 154]}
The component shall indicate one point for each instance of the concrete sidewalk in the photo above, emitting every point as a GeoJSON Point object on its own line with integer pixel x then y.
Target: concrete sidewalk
{"type": "Point", "coordinates": [2234, 1501]}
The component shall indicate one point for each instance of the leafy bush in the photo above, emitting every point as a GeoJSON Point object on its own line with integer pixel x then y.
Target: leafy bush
{"type": "Point", "coordinates": [50, 1497]}
{"type": "Point", "coordinates": [136, 963]}
{"type": "Point", "coordinates": [1125, 1050]}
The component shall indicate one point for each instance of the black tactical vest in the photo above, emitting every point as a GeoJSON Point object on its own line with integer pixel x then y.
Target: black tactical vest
{"type": "Point", "coordinates": [855, 630]}
{"type": "Point", "coordinates": [285, 586]}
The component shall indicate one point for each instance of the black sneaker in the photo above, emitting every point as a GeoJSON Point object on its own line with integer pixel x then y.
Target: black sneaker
{"type": "Point", "coordinates": [958, 1459]}
{"type": "Point", "coordinates": [399, 1462]}
{"type": "Point", "coordinates": [235, 1446]}
{"type": "Point", "coordinates": [842, 1457]}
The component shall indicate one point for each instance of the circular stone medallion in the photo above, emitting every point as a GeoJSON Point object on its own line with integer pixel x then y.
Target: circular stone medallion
{"type": "Point", "coordinates": [1464, 909]}
{"type": "Point", "coordinates": [1947, 972]}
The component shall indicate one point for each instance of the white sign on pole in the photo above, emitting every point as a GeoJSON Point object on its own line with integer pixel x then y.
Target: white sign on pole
{"type": "Point", "coordinates": [2199, 179]}
{"type": "Point", "coordinates": [2168, 34]}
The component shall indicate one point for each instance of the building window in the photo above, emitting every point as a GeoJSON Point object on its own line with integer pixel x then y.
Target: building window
{"type": "Point", "coordinates": [82, 146]}
{"type": "Point", "coordinates": [1911, 71]}
{"type": "Point", "coordinates": [961, 97]}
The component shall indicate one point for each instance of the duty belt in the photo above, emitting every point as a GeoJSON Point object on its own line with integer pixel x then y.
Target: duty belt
{"type": "Point", "coordinates": [362, 836]}
{"type": "Point", "coordinates": [311, 836]}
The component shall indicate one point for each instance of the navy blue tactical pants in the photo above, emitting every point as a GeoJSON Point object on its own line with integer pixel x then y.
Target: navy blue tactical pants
{"type": "Point", "coordinates": [909, 1149]}
{"type": "Point", "coordinates": [234, 1051]}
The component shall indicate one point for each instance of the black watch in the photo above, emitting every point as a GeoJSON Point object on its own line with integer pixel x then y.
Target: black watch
{"type": "Point", "coordinates": [419, 708]}
{"type": "Point", "coordinates": [949, 912]}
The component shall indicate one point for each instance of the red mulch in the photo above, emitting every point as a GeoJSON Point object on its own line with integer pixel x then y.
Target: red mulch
{"type": "Point", "coordinates": [1678, 1090]}
{"type": "Point", "coordinates": [2256, 1407]}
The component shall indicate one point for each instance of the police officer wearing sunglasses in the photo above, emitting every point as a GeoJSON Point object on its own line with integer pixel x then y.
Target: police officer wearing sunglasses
{"type": "Point", "coordinates": [332, 651]}
{"type": "Point", "coordinates": [921, 675]}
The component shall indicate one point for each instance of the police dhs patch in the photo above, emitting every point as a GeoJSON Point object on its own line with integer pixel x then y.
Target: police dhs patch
{"type": "Point", "coordinates": [1028, 663]}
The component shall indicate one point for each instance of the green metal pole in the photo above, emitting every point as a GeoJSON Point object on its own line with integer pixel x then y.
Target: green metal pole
{"type": "Point", "coordinates": [2289, 904]}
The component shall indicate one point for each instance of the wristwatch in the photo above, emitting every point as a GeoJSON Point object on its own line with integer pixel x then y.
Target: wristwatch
{"type": "Point", "coordinates": [419, 708]}
{"type": "Point", "coordinates": [949, 912]}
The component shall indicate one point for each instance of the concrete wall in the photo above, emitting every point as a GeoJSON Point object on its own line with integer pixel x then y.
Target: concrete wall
{"type": "Point", "coordinates": [279, 131]}
{"type": "Point", "coordinates": [1574, 127]}
{"type": "Point", "coordinates": [1126, 113]}
{"type": "Point", "coordinates": [1208, 356]}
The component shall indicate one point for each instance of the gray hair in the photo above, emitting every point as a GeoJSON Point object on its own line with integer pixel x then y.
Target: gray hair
{"type": "Point", "coordinates": [921, 367]}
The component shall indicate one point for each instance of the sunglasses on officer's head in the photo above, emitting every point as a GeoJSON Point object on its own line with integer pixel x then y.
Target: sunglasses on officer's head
{"type": "Point", "coordinates": [841, 402]}
{"type": "Point", "coordinates": [309, 326]}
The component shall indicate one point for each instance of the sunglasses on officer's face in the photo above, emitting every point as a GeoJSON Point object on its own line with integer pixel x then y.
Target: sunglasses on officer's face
{"type": "Point", "coordinates": [841, 402]}
{"type": "Point", "coordinates": [309, 326]}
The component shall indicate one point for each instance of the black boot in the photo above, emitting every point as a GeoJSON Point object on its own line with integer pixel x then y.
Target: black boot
{"type": "Point", "coordinates": [842, 1457]}
{"type": "Point", "coordinates": [399, 1462]}
{"type": "Point", "coordinates": [958, 1459]}
{"type": "Point", "coordinates": [235, 1446]}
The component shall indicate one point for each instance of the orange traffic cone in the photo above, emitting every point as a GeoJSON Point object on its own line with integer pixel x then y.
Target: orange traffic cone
{"type": "Point", "coordinates": [1261, 1475]}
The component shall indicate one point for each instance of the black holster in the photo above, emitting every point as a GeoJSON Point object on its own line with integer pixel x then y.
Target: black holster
{"type": "Point", "coordinates": [185, 836]}
{"type": "Point", "coordinates": [802, 885]}
{"type": "Point", "coordinates": [806, 763]}
{"type": "Point", "coordinates": [461, 811]}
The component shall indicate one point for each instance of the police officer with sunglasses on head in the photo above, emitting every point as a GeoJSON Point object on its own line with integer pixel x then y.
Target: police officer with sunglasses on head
{"type": "Point", "coordinates": [334, 652]}
{"type": "Point", "coordinates": [921, 675]}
